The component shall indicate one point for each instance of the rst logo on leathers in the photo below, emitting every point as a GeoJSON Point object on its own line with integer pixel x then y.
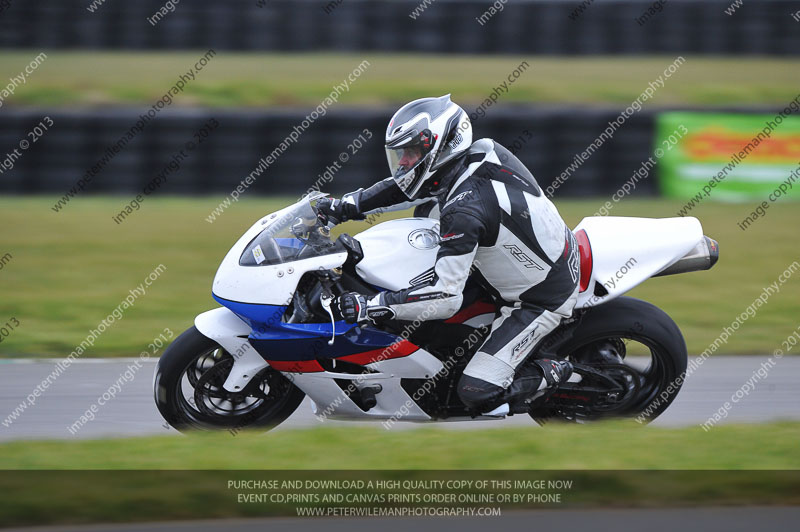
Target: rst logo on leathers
{"type": "Point", "coordinates": [451, 236]}
{"type": "Point", "coordinates": [520, 255]}
{"type": "Point", "coordinates": [458, 197]}
{"type": "Point", "coordinates": [518, 350]}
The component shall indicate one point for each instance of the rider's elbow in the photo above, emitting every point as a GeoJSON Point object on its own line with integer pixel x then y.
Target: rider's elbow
{"type": "Point", "coordinates": [449, 306]}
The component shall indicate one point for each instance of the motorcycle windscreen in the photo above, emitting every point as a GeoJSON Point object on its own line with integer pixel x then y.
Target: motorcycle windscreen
{"type": "Point", "coordinates": [295, 235]}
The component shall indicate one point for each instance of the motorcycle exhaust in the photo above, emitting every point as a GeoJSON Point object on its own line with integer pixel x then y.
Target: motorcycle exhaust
{"type": "Point", "coordinates": [702, 257]}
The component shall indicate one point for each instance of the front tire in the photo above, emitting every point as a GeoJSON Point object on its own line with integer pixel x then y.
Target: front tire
{"type": "Point", "coordinates": [189, 393]}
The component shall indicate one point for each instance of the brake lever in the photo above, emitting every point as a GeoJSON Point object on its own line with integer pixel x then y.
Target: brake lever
{"type": "Point", "coordinates": [327, 300]}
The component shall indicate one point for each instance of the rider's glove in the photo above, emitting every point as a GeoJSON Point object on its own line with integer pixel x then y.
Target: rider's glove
{"type": "Point", "coordinates": [356, 308]}
{"type": "Point", "coordinates": [338, 211]}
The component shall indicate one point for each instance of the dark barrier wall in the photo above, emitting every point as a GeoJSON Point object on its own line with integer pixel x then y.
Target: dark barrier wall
{"type": "Point", "coordinates": [453, 26]}
{"type": "Point", "coordinates": [217, 159]}
{"type": "Point", "coordinates": [545, 139]}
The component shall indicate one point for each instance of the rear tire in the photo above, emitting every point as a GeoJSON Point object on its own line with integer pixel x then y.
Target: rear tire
{"type": "Point", "coordinates": [194, 360]}
{"type": "Point", "coordinates": [640, 321]}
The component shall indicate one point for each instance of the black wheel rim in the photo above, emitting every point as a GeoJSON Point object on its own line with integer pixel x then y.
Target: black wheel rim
{"type": "Point", "coordinates": [204, 403]}
{"type": "Point", "coordinates": [655, 374]}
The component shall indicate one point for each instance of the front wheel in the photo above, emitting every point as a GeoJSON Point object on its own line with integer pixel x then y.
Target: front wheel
{"type": "Point", "coordinates": [651, 355]}
{"type": "Point", "coordinates": [189, 391]}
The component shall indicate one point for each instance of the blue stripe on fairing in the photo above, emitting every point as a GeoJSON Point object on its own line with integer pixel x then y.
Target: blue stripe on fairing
{"type": "Point", "coordinates": [276, 340]}
{"type": "Point", "coordinates": [265, 320]}
{"type": "Point", "coordinates": [355, 340]}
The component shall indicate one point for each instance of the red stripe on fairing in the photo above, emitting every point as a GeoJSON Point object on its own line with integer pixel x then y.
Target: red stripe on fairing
{"type": "Point", "coordinates": [296, 366]}
{"type": "Point", "coordinates": [476, 309]}
{"type": "Point", "coordinates": [585, 249]}
{"type": "Point", "coordinates": [400, 349]}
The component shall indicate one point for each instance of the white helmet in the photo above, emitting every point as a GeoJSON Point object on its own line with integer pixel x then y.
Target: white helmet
{"type": "Point", "coordinates": [421, 137]}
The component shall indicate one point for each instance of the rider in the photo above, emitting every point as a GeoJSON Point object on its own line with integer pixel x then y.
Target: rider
{"type": "Point", "coordinates": [493, 216]}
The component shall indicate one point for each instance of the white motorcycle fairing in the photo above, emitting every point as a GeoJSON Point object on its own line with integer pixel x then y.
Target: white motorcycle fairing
{"type": "Point", "coordinates": [231, 332]}
{"type": "Point", "coordinates": [397, 254]}
{"type": "Point", "coordinates": [416, 240]}
{"type": "Point", "coordinates": [265, 285]}
{"type": "Point", "coordinates": [619, 253]}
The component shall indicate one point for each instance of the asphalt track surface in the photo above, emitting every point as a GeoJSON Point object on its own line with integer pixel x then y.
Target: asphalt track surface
{"type": "Point", "coordinates": [133, 413]}
{"type": "Point", "coordinates": [726, 519]}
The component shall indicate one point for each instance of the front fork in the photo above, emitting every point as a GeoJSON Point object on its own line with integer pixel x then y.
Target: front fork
{"type": "Point", "coordinates": [231, 332]}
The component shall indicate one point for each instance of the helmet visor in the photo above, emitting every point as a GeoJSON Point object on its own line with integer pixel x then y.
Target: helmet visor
{"type": "Point", "coordinates": [409, 163]}
{"type": "Point", "coordinates": [403, 160]}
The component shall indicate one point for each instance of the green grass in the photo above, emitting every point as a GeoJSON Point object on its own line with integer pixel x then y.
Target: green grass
{"type": "Point", "coordinates": [70, 270]}
{"type": "Point", "coordinates": [611, 446]}
{"type": "Point", "coordinates": [263, 80]}
{"type": "Point", "coordinates": [610, 465]}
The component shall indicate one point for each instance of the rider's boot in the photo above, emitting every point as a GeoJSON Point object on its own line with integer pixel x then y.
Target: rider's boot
{"type": "Point", "coordinates": [535, 381]}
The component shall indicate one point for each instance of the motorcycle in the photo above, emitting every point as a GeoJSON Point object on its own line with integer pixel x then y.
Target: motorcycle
{"type": "Point", "coordinates": [278, 335]}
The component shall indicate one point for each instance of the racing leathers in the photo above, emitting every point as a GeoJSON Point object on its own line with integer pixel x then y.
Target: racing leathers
{"type": "Point", "coordinates": [495, 224]}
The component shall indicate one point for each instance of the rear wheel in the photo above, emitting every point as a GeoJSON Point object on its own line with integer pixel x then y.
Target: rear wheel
{"type": "Point", "coordinates": [652, 363]}
{"type": "Point", "coordinates": [189, 389]}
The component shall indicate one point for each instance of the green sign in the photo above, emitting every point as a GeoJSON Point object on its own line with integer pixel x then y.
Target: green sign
{"type": "Point", "coordinates": [728, 157]}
